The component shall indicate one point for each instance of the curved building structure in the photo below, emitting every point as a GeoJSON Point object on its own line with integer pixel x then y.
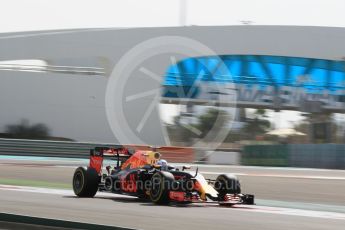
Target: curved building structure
{"type": "Point", "coordinates": [275, 67]}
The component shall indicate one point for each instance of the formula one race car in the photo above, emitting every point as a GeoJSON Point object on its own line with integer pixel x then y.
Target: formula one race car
{"type": "Point", "coordinates": [144, 174]}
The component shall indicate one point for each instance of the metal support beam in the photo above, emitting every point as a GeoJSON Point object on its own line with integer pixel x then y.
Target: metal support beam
{"type": "Point", "coordinates": [266, 69]}
{"type": "Point", "coordinates": [287, 73]}
{"type": "Point", "coordinates": [328, 75]}
{"type": "Point", "coordinates": [309, 67]}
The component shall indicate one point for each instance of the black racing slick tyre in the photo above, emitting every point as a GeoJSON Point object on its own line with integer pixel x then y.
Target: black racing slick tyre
{"type": "Point", "coordinates": [85, 182]}
{"type": "Point", "coordinates": [160, 187]}
{"type": "Point", "coordinates": [227, 184]}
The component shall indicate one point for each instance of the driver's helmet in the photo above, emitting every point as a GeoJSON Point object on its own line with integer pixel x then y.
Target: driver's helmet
{"type": "Point", "coordinates": [163, 164]}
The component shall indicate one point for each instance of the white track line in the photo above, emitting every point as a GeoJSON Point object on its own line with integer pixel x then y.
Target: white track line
{"type": "Point", "coordinates": [294, 212]}
{"type": "Point", "coordinates": [256, 167]}
{"type": "Point", "coordinates": [281, 176]}
{"type": "Point", "coordinates": [63, 192]}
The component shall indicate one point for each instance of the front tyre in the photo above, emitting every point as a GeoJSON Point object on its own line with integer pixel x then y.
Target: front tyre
{"type": "Point", "coordinates": [160, 187]}
{"type": "Point", "coordinates": [227, 184]}
{"type": "Point", "coordinates": [85, 182]}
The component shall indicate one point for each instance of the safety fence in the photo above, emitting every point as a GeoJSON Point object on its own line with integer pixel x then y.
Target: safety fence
{"type": "Point", "coordinates": [65, 149]}
{"type": "Point", "coordinates": [265, 155]}
{"type": "Point", "coordinates": [331, 156]}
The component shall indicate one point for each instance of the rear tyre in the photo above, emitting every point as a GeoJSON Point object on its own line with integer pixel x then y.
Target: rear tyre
{"type": "Point", "coordinates": [227, 184]}
{"type": "Point", "coordinates": [161, 182]}
{"type": "Point", "coordinates": [85, 182]}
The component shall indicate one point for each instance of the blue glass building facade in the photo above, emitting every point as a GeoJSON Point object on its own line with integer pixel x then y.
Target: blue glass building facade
{"type": "Point", "coordinates": [314, 76]}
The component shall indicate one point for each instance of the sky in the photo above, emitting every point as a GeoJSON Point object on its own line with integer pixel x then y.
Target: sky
{"type": "Point", "coordinates": [30, 15]}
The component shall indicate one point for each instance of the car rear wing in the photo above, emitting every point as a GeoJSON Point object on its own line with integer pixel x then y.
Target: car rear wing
{"type": "Point", "coordinates": [97, 155]}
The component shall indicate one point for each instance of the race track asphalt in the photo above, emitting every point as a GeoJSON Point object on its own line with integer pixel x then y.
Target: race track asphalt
{"type": "Point", "coordinates": [287, 199]}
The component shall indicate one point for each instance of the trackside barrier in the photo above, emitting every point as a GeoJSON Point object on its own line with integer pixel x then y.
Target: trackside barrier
{"type": "Point", "coordinates": [223, 157]}
{"type": "Point", "coordinates": [331, 156]}
{"type": "Point", "coordinates": [66, 149]}
{"type": "Point", "coordinates": [265, 155]}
